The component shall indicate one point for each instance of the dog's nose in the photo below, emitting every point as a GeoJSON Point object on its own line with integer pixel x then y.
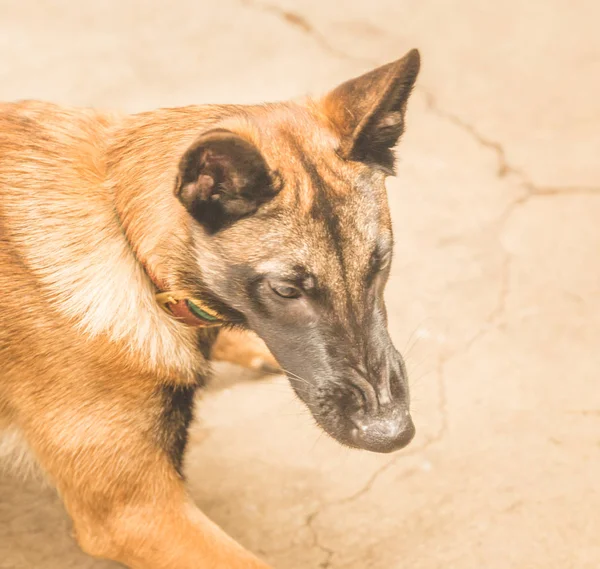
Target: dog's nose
{"type": "Point", "coordinates": [387, 430]}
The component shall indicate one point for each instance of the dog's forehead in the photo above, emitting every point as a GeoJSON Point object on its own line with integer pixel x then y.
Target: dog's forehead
{"type": "Point", "coordinates": [330, 212]}
{"type": "Point", "coordinates": [316, 181]}
{"type": "Point", "coordinates": [331, 233]}
{"type": "Point", "coordinates": [337, 210]}
{"type": "Point", "coordinates": [340, 201]}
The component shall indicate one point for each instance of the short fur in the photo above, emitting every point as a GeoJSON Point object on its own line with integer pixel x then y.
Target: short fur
{"type": "Point", "coordinates": [98, 210]}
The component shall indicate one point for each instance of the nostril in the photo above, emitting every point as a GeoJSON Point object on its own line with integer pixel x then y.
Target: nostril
{"type": "Point", "coordinates": [365, 393]}
{"type": "Point", "coordinates": [359, 398]}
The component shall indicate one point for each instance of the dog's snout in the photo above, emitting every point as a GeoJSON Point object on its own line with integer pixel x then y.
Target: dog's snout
{"type": "Point", "coordinates": [386, 430]}
{"type": "Point", "coordinates": [381, 420]}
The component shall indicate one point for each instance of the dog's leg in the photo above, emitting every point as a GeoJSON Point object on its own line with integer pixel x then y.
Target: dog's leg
{"type": "Point", "coordinates": [244, 349]}
{"type": "Point", "coordinates": [114, 456]}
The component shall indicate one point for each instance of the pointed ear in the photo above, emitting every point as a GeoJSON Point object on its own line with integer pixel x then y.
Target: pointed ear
{"type": "Point", "coordinates": [368, 112]}
{"type": "Point", "coordinates": [222, 178]}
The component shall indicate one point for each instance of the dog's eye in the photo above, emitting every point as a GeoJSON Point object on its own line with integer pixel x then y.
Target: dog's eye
{"type": "Point", "coordinates": [285, 290]}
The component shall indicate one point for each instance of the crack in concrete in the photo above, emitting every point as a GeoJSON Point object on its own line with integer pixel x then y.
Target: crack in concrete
{"type": "Point", "coordinates": [504, 168]}
{"type": "Point", "coordinates": [531, 191]}
{"type": "Point", "coordinates": [329, 553]}
{"type": "Point", "coordinates": [300, 23]}
{"type": "Point", "coordinates": [494, 318]}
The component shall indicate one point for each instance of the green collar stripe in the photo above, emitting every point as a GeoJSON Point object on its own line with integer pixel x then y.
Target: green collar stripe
{"type": "Point", "coordinates": [197, 311]}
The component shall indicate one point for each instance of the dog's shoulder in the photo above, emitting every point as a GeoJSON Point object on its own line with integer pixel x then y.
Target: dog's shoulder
{"type": "Point", "coordinates": [59, 223]}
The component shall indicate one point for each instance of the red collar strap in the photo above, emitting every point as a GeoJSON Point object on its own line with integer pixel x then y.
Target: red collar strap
{"type": "Point", "coordinates": [188, 310]}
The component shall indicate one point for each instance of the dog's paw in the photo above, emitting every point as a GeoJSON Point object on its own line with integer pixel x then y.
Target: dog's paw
{"type": "Point", "coordinates": [244, 349]}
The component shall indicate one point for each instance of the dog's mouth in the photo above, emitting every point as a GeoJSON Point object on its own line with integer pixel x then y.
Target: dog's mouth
{"type": "Point", "coordinates": [358, 420]}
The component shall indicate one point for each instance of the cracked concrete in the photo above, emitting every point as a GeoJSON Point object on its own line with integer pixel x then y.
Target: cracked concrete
{"type": "Point", "coordinates": [494, 296]}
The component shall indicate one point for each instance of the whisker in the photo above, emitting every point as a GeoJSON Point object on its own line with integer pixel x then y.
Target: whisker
{"type": "Point", "coordinates": [294, 375]}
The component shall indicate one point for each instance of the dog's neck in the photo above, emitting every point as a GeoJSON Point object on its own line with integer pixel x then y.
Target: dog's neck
{"type": "Point", "coordinates": [155, 224]}
{"type": "Point", "coordinates": [141, 170]}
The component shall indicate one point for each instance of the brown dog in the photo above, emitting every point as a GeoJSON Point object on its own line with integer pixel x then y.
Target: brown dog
{"type": "Point", "coordinates": [127, 242]}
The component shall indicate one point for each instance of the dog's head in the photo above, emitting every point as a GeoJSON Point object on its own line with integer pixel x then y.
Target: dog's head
{"type": "Point", "coordinates": [293, 238]}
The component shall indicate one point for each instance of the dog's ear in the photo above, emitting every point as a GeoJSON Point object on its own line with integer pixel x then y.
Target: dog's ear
{"type": "Point", "coordinates": [222, 178]}
{"type": "Point", "coordinates": [368, 112]}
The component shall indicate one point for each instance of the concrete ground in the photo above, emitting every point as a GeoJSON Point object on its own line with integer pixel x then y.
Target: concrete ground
{"type": "Point", "coordinates": [495, 293]}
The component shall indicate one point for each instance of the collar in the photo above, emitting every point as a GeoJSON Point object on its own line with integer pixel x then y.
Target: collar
{"type": "Point", "coordinates": [189, 310]}
{"type": "Point", "coordinates": [184, 307]}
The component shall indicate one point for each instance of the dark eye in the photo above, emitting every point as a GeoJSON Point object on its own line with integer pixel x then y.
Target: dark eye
{"type": "Point", "coordinates": [285, 290]}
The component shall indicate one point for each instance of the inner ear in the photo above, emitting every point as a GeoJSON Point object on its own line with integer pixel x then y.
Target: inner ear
{"type": "Point", "coordinates": [223, 178]}
{"type": "Point", "coordinates": [368, 111]}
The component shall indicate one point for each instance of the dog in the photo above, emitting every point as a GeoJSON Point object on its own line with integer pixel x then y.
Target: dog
{"type": "Point", "coordinates": [131, 244]}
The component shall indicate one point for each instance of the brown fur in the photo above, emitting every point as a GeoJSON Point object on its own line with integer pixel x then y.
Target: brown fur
{"type": "Point", "coordinates": [87, 212]}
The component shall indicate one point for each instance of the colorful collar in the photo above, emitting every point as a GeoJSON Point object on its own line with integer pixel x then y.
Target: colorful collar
{"type": "Point", "coordinates": [189, 310]}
